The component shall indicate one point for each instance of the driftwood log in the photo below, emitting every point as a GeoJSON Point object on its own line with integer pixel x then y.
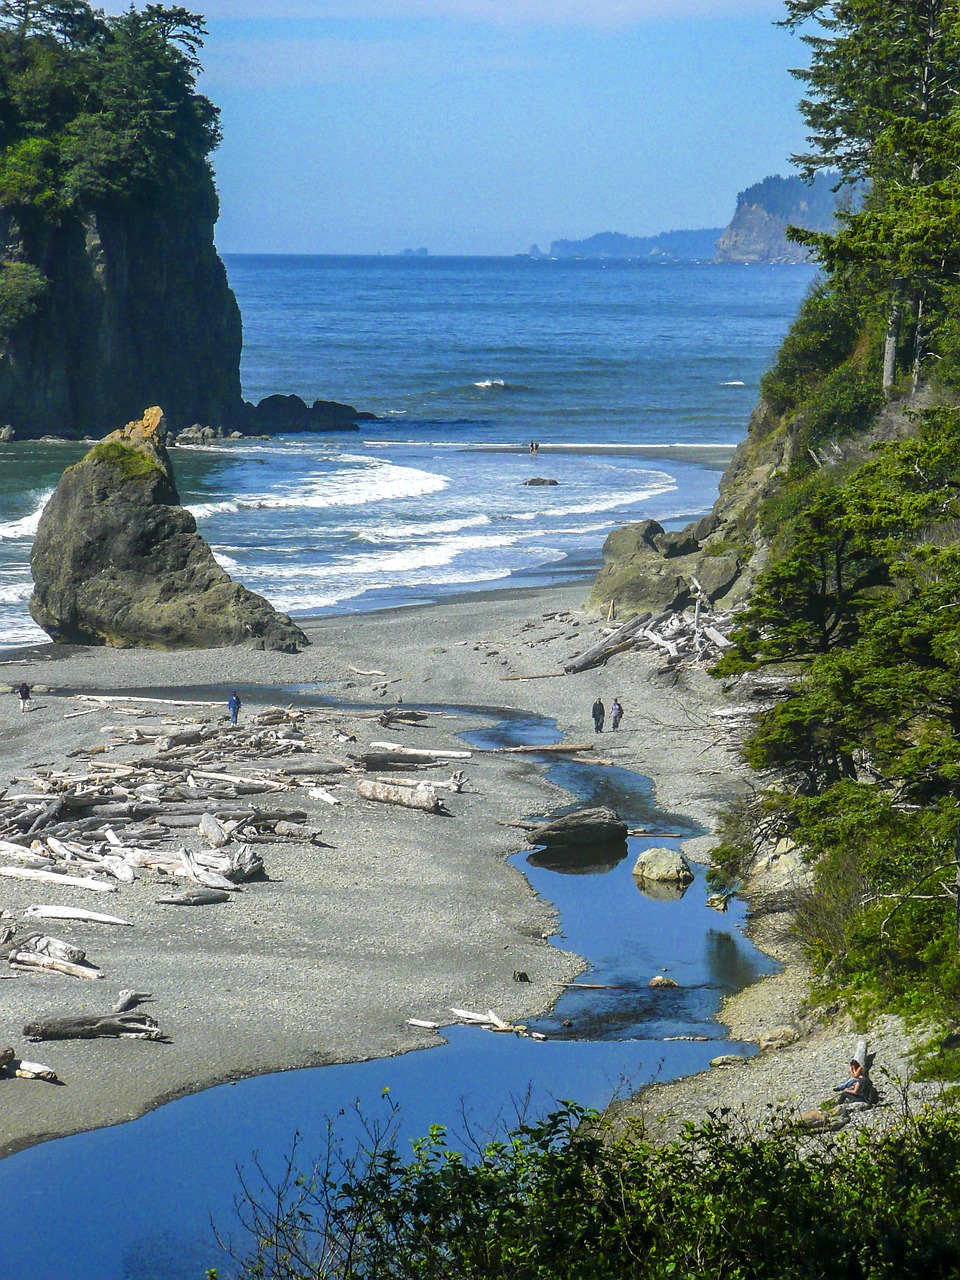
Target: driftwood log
{"type": "Point", "coordinates": [25, 1070]}
{"type": "Point", "coordinates": [606, 647]}
{"type": "Point", "coordinates": [194, 898]}
{"type": "Point", "coordinates": [130, 1026]}
{"type": "Point", "coordinates": [421, 797]}
{"type": "Point", "coordinates": [598, 825]}
{"type": "Point", "coordinates": [31, 960]}
{"type": "Point", "coordinates": [421, 753]}
{"type": "Point", "coordinates": [73, 913]}
{"type": "Point", "coordinates": [50, 877]}
{"type": "Point", "coordinates": [129, 1000]}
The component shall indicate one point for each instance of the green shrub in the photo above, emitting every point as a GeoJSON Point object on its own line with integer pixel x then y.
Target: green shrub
{"type": "Point", "coordinates": [823, 335]}
{"type": "Point", "coordinates": [22, 287]}
{"type": "Point", "coordinates": [29, 176]}
{"type": "Point", "coordinates": [564, 1198]}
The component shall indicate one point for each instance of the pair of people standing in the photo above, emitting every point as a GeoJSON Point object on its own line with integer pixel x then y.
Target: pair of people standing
{"type": "Point", "coordinates": [599, 713]}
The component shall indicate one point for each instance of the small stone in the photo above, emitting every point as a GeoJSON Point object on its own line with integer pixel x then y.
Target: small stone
{"type": "Point", "coordinates": [658, 980]}
{"type": "Point", "coordinates": [820, 1122]}
{"type": "Point", "coordinates": [727, 1060]}
{"type": "Point", "coordinates": [778, 1038]}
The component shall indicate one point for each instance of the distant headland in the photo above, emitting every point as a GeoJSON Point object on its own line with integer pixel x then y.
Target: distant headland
{"type": "Point", "coordinates": [755, 233]}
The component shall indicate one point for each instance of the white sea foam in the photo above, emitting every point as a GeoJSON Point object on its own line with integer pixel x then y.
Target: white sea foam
{"type": "Point", "coordinates": [201, 510]}
{"type": "Point", "coordinates": [337, 592]}
{"type": "Point", "coordinates": [225, 561]}
{"type": "Point", "coordinates": [733, 384]}
{"type": "Point", "coordinates": [26, 526]}
{"type": "Point", "coordinates": [425, 529]}
{"type": "Point", "coordinates": [352, 486]}
{"type": "Point", "coordinates": [428, 555]}
{"type": "Point", "coordinates": [16, 592]}
{"type": "Point", "coordinates": [487, 383]}
{"type": "Point", "coordinates": [659, 483]}
{"type": "Point", "coordinates": [17, 627]}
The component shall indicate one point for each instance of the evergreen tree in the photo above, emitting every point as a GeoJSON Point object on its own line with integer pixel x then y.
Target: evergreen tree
{"type": "Point", "coordinates": [882, 87]}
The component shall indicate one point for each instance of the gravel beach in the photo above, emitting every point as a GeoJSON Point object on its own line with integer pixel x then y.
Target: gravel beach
{"type": "Point", "coordinates": [398, 914]}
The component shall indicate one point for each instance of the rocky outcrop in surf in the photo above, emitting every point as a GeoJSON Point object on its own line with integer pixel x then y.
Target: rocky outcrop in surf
{"type": "Point", "coordinates": [118, 561]}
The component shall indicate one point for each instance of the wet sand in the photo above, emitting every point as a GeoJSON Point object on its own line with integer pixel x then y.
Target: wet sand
{"type": "Point", "coordinates": [403, 915]}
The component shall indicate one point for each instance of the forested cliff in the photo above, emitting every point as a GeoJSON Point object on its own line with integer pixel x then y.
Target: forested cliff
{"type": "Point", "coordinates": [757, 232]}
{"type": "Point", "coordinates": [838, 526]}
{"type": "Point", "coordinates": [112, 295]}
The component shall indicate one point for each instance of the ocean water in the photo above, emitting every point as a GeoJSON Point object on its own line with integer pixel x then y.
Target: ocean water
{"type": "Point", "coordinates": [622, 371]}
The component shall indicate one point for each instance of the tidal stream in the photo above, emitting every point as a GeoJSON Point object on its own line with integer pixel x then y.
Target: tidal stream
{"type": "Point", "coordinates": [136, 1201]}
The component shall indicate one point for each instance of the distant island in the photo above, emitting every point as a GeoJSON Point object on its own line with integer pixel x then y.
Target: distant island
{"type": "Point", "coordinates": [667, 246]}
{"type": "Point", "coordinates": [755, 233]}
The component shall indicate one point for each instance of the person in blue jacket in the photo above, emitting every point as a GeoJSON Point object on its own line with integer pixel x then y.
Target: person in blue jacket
{"type": "Point", "coordinates": [233, 706]}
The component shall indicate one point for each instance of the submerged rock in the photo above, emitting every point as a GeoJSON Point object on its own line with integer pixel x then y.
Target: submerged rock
{"type": "Point", "coordinates": [118, 561]}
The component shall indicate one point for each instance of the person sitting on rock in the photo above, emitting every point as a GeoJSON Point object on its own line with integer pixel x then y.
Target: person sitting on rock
{"type": "Point", "coordinates": [859, 1087]}
{"type": "Point", "coordinates": [233, 706]}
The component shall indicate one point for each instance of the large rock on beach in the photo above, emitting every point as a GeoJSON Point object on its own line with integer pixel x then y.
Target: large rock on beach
{"type": "Point", "coordinates": [599, 825]}
{"type": "Point", "coordinates": [118, 561]}
{"type": "Point", "coordinates": [663, 866]}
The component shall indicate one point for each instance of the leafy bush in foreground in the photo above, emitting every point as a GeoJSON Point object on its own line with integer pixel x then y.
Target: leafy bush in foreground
{"type": "Point", "coordinates": [563, 1198]}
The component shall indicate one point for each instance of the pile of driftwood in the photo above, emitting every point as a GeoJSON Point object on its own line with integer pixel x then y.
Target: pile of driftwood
{"type": "Point", "coordinates": [689, 637]}
{"type": "Point", "coordinates": [185, 799]}
{"type": "Point", "coordinates": [486, 1021]}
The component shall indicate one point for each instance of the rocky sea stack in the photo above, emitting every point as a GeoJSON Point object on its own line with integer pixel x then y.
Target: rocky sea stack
{"type": "Point", "coordinates": [118, 561]}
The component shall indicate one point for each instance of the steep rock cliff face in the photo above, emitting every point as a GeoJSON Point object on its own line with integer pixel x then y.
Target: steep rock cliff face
{"type": "Point", "coordinates": [647, 568]}
{"type": "Point", "coordinates": [137, 311]}
{"type": "Point", "coordinates": [757, 231]}
{"type": "Point", "coordinates": [118, 561]}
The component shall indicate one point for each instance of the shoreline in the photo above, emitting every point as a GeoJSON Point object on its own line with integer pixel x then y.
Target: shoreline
{"type": "Point", "coordinates": [324, 962]}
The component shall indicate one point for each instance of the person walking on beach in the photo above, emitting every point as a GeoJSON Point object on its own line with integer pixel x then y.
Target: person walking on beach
{"type": "Point", "coordinates": [599, 713]}
{"type": "Point", "coordinates": [23, 693]}
{"type": "Point", "coordinates": [616, 714]}
{"type": "Point", "coordinates": [233, 706]}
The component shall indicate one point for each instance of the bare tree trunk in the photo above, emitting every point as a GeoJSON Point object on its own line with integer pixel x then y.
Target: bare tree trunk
{"type": "Point", "coordinates": [917, 347]}
{"type": "Point", "coordinates": [892, 338]}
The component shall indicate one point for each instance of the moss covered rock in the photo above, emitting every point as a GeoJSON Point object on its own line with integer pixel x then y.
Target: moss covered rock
{"type": "Point", "coordinates": [118, 561]}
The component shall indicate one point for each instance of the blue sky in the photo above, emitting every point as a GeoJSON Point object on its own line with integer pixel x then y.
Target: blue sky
{"type": "Point", "coordinates": [469, 126]}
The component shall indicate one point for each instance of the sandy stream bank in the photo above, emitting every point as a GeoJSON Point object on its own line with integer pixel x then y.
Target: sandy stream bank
{"type": "Point", "coordinates": [406, 913]}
